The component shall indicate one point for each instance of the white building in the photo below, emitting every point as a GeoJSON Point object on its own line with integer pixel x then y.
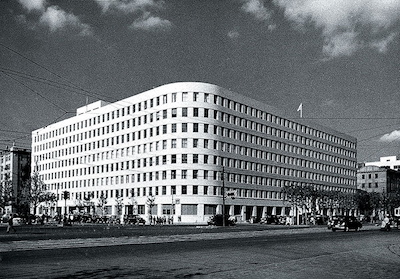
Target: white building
{"type": "Point", "coordinates": [390, 162]}
{"type": "Point", "coordinates": [176, 142]}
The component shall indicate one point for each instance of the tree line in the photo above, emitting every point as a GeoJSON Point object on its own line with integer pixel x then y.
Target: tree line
{"type": "Point", "coordinates": [314, 200]}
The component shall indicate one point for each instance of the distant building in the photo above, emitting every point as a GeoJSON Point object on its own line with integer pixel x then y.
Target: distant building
{"type": "Point", "coordinates": [389, 161]}
{"type": "Point", "coordinates": [183, 143]}
{"type": "Point", "coordinates": [378, 179]}
{"type": "Point", "coordinates": [15, 168]}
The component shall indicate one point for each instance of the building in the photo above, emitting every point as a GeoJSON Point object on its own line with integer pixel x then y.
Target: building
{"type": "Point", "coordinates": [389, 161]}
{"type": "Point", "coordinates": [378, 179]}
{"type": "Point", "coordinates": [15, 168]}
{"type": "Point", "coordinates": [183, 144]}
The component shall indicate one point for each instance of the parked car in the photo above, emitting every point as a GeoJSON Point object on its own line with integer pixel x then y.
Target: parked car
{"type": "Point", "coordinates": [134, 220]}
{"type": "Point", "coordinates": [345, 223]}
{"type": "Point", "coordinates": [270, 220]}
{"type": "Point", "coordinates": [217, 220]}
{"type": "Point", "coordinates": [321, 220]}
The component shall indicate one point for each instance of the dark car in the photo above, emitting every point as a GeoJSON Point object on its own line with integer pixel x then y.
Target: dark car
{"type": "Point", "coordinates": [135, 220]}
{"type": "Point", "coordinates": [217, 220]}
{"type": "Point", "coordinates": [270, 220]}
{"type": "Point", "coordinates": [345, 223]}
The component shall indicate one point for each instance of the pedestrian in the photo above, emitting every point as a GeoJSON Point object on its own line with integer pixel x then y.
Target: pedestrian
{"type": "Point", "coordinates": [11, 224]}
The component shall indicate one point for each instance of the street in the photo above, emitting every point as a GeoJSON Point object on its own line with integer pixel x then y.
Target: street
{"type": "Point", "coordinates": [239, 252]}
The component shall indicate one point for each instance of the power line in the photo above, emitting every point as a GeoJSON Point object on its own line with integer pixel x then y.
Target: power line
{"type": "Point", "coordinates": [68, 87]}
{"type": "Point", "coordinates": [37, 93]}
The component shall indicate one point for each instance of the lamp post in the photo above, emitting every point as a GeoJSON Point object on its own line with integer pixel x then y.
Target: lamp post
{"type": "Point", "coordinates": [223, 197]}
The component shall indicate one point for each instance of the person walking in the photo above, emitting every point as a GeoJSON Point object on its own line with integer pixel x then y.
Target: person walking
{"type": "Point", "coordinates": [11, 224]}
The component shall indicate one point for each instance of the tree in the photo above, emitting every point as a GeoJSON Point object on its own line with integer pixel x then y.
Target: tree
{"type": "Point", "coordinates": [302, 196]}
{"type": "Point", "coordinates": [150, 203]}
{"type": "Point", "coordinates": [363, 201]}
{"type": "Point", "coordinates": [6, 193]}
{"type": "Point", "coordinates": [33, 192]}
{"type": "Point", "coordinates": [133, 202]}
{"type": "Point", "coordinates": [119, 202]}
{"type": "Point", "coordinates": [102, 203]}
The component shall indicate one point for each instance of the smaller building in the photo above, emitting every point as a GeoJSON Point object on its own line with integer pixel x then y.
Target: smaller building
{"type": "Point", "coordinates": [15, 169]}
{"type": "Point", "coordinates": [378, 179]}
{"type": "Point", "coordinates": [390, 162]}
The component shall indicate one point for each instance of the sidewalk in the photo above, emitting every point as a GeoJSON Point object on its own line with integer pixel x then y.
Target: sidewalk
{"type": "Point", "coordinates": [26, 245]}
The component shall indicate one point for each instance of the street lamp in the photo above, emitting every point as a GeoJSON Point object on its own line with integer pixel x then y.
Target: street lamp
{"type": "Point", "coordinates": [223, 197]}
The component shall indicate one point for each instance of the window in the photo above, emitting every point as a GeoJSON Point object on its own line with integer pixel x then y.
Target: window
{"type": "Point", "coordinates": [205, 143]}
{"type": "Point", "coordinates": [195, 189]}
{"type": "Point", "coordinates": [173, 190]}
{"type": "Point", "coordinates": [173, 129]}
{"type": "Point", "coordinates": [184, 112]}
{"type": "Point", "coordinates": [184, 174]}
{"type": "Point", "coordinates": [195, 127]}
{"type": "Point", "coordinates": [165, 114]}
{"type": "Point", "coordinates": [173, 97]}
{"type": "Point", "coordinates": [173, 174]}
{"type": "Point", "coordinates": [184, 189]}
{"type": "Point", "coordinates": [195, 112]}
{"type": "Point", "coordinates": [164, 129]}
{"type": "Point", "coordinates": [184, 158]}
{"type": "Point", "coordinates": [184, 96]}
{"type": "Point", "coordinates": [195, 174]}
{"type": "Point", "coordinates": [189, 209]}
{"type": "Point", "coordinates": [195, 96]}
{"type": "Point", "coordinates": [165, 100]}
{"type": "Point", "coordinates": [195, 158]}
{"type": "Point", "coordinates": [184, 127]}
{"type": "Point", "coordinates": [195, 143]}
{"type": "Point", "coordinates": [206, 128]}
{"type": "Point", "coordinates": [173, 143]}
{"type": "Point", "coordinates": [173, 159]}
{"type": "Point", "coordinates": [184, 143]}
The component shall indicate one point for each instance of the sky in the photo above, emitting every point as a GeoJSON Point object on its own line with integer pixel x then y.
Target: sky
{"type": "Point", "coordinates": [339, 58]}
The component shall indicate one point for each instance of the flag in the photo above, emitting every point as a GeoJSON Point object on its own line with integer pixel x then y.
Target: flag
{"type": "Point", "coordinates": [301, 110]}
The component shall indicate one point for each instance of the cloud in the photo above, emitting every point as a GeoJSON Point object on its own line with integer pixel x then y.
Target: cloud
{"type": "Point", "coordinates": [346, 26]}
{"type": "Point", "coordinates": [53, 17]}
{"type": "Point", "coordinates": [56, 19]}
{"type": "Point", "coordinates": [128, 6]}
{"type": "Point", "coordinates": [257, 9]}
{"type": "Point", "coordinates": [149, 22]}
{"type": "Point", "coordinates": [145, 8]}
{"type": "Point", "coordinates": [393, 136]}
{"type": "Point", "coordinates": [233, 34]}
{"type": "Point", "coordinates": [33, 5]}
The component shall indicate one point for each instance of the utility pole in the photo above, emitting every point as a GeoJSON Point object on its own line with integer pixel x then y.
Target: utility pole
{"type": "Point", "coordinates": [223, 197]}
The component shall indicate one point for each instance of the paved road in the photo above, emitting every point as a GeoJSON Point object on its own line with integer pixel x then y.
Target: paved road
{"type": "Point", "coordinates": [227, 253]}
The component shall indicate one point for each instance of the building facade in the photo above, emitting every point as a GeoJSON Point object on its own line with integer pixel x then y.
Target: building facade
{"type": "Point", "coordinates": [15, 169]}
{"type": "Point", "coordinates": [378, 179]}
{"type": "Point", "coordinates": [182, 145]}
{"type": "Point", "coordinates": [388, 161]}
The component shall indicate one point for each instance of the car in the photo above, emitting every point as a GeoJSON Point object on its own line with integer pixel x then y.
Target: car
{"type": "Point", "coordinates": [134, 219]}
{"type": "Point", "coordinates": [217, 220]}
{"type": "Point", "coordinates": [345, 223]}
{"type": "Point", "coordinates": [270, 220]}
